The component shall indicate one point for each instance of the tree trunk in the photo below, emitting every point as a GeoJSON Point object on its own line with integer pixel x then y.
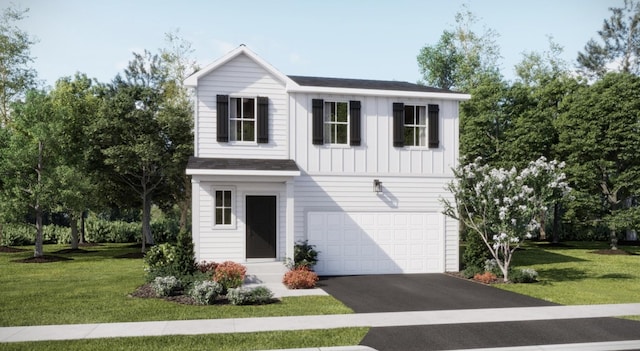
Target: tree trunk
{"type": "Point", "coordinates": [38, 251]}
{"type": "Point", "coordinates": [147, 237]}
{"type": "Point", "coordinates": [614, 239]}
{"type": "Point", "coordinates": [82, 238]}
{"type": "Point", "coordinates": [1, 225]}
{"type": "Point", "coordinates": [556, 223]}
{"type": "Point", "coordinates": [73, 221]}
{"type": "Point", "coordinates": [543, 231]}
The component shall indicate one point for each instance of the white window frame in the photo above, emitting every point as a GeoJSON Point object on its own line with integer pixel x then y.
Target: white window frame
{"type": "Point", "coordinates": [333, 125]}
{"type": "Point", "coordinates": [417, 127]}
{"type": "Point", "coordinates": [233, 119]}
{"type": "Point", "coordinates": [232, 208]}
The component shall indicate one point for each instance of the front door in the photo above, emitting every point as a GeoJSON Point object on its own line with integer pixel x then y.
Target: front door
{"type": "Point", "coordinates": [261, 227]}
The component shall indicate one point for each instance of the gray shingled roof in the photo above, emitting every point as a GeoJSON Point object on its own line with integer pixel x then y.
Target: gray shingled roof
{"type": "Point", "coordinates": [366, 84]}
{"type": "Point", "coordinates": [242, 164]}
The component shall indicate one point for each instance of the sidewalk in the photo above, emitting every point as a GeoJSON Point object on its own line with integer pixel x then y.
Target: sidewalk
{"type": "Point", "coordinates": [248, 325]}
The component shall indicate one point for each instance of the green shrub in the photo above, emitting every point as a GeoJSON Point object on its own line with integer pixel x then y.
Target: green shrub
{"type": "Point", "coordinates": [305, 255]}
{"type": "Point", "coordinates": [159, 261]}
{"type": "Point", "coordinates": [166, 286]}
{"type": "Point", "coordinates": [190, 279]}
{"type": "Point", "coordinates": [475, 252]}
{"type": "Point", "coordinates": [525, 275]}
{"type": "Point", "coordinates": [99, 230]}
{"type": "Point", "coordinates": [165, 230]}
{"type": "Point", "coordinates": [230, 274]}
{"type": "Point", "coordinates": [18, 234]}
{"type": "Point", "coordinates": [56, 234]}
{"type": "Point", "coordinates": [255, 296]}
{"type": "Point", "coordinates": [471, 271]}
{"type": "Point", "coordinates": [184, 261]}
{"type": "Point", "coordinates": [205, 292]}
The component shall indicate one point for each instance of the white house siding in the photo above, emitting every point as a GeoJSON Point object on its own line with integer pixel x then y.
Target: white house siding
{"type": "Point", "coordinates": [241, 77]}
{"type": "Point", "coordinates": [376, 154]}
{"type": "Point", "coordinates": [354, 193]}
{"type": "Point", "coordinates": [212, 244]}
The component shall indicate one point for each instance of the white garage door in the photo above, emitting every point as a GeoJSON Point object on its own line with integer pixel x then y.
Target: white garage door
{"type": "Point", "coordinates": [376, 243]}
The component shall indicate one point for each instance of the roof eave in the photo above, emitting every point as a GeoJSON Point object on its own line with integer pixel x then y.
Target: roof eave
{"type": "Point", "coordinates": [242, 172]}
{"type": "Point", "coordinates": [378, 92]}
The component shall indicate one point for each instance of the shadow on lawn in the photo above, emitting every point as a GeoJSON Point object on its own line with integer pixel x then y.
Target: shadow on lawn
{"type": "Point", "coordinates": [562, 274]}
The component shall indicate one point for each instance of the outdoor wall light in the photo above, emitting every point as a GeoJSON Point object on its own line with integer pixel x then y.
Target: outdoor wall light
{"type": "Point", "coordinates": [377, 186]}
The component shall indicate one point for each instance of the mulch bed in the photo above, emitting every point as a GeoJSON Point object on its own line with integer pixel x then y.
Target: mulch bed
{"type": "Point", "coordinates": [612, 252]}
{"type": "Point", "coordinates": [131, 255]}
{"type": "Point", "coordinates": [43, 259]}
{"type": "Point", "coordinates": [147, 292]}
{"type": "Point", "coordinates": [8, 249]}
{"type": "Point", "coordinates": [72, 251]}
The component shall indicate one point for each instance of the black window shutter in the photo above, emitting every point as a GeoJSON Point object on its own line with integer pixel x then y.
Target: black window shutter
{"type": "Point", "coordinates": [433, 115]}
{"type": "Point", "coordinates": [398, 124]}
{"type": "Point", "coordinates": [263, 120]}
{"type": "Point", "coordinates": [317, 121]}
{"type": "Point", "coordinates": [222, 122]}
{"type": "Point", "coordinates": [355, 125]}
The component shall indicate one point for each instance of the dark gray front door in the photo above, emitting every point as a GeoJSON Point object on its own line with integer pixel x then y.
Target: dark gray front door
{"type": "Point", "coordinates": [261, 226]}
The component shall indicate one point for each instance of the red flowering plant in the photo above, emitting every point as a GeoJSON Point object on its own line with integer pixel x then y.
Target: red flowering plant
{"type": "Point", "coordinates": [229, 274]}
{"type": "Point", "coordinates": [300, 278]}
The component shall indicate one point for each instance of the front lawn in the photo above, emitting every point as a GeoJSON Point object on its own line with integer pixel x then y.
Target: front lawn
{"type": "Point", "coordinates": [94, 286]}
{"type": "Point", "coordinates": [218, 342]}
{"type": "Point", "coordinates": [572, 274]}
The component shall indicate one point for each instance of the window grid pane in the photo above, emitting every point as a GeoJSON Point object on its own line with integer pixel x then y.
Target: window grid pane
{"type": "Point", "coordinates": [223, 208]}
{"type": "Point", "coordinates": [242, 119]}
{"type": "Point", "coordinates": [415, 125]}
{"type": "Point", "coordinates": [336, 123]}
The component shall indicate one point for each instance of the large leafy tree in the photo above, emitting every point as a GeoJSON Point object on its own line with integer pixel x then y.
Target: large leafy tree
{"type": "Point", "coordinates": [16, 75]}
{"type": "Point", "coordinates": [76, 103]}
{"type": "Point", "coordinates": [28, 162]}
{"type": "Point", "coordinates": [600, 138]}
{"type": "Point", "coordinates": [619, 45]}
{"type": "Point", "coordinates": [461, 58]}
{"type": "Point", "coordinates": [139, 136]}
{"type": "Point", "coordinates": [177, 116]}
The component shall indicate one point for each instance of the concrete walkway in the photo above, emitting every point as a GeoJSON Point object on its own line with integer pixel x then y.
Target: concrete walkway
{"type": "Point", "coordinates": [248, 325]}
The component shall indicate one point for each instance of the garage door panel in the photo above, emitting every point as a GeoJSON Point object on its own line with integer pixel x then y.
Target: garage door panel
{"type": "Point", "coordinates": [376, 243]}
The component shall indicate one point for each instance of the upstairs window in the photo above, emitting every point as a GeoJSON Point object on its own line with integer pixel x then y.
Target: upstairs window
{"type": "Point", "coordinates": [415, 125]}
{"type": "Point", "coordinates": [336, 123]}
{"type": "Point", "coordinates": [242, 119]}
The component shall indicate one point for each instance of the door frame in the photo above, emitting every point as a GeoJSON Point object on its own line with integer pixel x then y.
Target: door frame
{"type": "Point", "coordinates": [277, 233]}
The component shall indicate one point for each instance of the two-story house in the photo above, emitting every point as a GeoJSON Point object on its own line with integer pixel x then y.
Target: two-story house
{"type": "Point", "coordinates": [356, 167]}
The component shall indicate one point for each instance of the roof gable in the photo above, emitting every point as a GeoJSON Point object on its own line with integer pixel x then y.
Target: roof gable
{"type": "Point", "coordinates": [192, 80]}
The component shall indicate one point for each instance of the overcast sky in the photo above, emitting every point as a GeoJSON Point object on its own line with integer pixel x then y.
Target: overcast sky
{"type": "Point", "coordinates": [373, 39]}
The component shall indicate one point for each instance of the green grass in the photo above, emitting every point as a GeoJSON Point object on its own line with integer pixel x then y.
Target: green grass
{"type": "Point", "coordinates": [221, 342]}
{"type": "Point", "coordinates": [574, 275]}
{"type": "Point", "coordinates": [93, 287]}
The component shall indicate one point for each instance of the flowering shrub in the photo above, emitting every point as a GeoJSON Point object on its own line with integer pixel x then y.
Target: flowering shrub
{"type": "Point", "coordinates": [300, 278]}
{"type": "Point", "coordinates": [206, 267]}
{"type": "Point", "coordinates": [205, 292]}
{"type": "Point", "coordinates": [486, 278]}
{"type": "Point", "coordinates": [256, 296]}
{"type": "Point", "coordinates": [502, 205]}
{"type": "Point", "coordinates": [166, 286]}
{"type": "Point", "coordinates": [230, 274]}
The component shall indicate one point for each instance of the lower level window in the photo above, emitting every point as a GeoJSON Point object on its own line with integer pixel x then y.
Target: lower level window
{"type": "Point", "coordinates": [223, 207]}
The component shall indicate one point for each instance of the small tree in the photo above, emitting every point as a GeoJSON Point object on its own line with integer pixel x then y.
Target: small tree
{"type": "Point", "coordinates": [501, 205]}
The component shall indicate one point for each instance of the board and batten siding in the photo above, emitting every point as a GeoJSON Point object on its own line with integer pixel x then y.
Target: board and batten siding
{"type": "Point", "coordinates": [354, 193]}
{"type": "Point", "coordinates": [376, 154]}
{"type": "Point", "coordinates": [223, 244]}
{"type": "Point", "coordinates": [241, 77]}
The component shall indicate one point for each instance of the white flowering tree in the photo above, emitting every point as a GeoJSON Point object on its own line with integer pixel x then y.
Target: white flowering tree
{"type": "Point", "coordinates": [501, 205]}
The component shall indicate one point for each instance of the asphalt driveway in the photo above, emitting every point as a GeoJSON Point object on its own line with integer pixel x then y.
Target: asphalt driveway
{"type": "Point", "coordinates": [429, 292]}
